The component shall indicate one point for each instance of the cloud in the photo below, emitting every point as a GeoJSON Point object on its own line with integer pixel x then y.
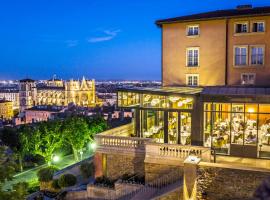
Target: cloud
{"type": "Point", "coordinates": [71, 43]}
{"type": "Point", "coordinates": [107, 35]}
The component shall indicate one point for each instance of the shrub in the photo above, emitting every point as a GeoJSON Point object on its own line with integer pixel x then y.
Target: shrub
{"type": "Point", "coordinates": [55, 184]}
{"type": "Point", "coordinates": [103, 180]}
{"type": "Point", "coordinates": [87, 169]}
{"type": "Point", "coordinates": [67, 180]}
{"type": "Point", "coordinates": [46, 174]}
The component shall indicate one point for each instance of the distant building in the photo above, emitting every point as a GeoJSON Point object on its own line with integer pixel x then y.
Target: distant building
{"type": "Point", "coordinates": [10, 94]}
{"type": "Point", "coordinates": [56, 92]}
{"type": "Point", "coordinates": [6, 109]}
{"type": "Point", "coordinates": [42, 113]}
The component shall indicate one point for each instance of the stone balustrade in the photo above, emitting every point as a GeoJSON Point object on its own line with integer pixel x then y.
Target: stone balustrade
{"type": "Point", "coordinates": [118, 140]}
{"type": "Point", "coordinates": [120, 144]}
{"type": "Point", "coordinates": [158, 152]}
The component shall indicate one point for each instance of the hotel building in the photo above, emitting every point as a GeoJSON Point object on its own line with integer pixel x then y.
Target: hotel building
{"type": "Point", "coordinates": [205, 134]}
{"type": "Point", "coordinates": [216, 86]}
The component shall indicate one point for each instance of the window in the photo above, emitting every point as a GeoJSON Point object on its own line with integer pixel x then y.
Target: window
{"type": "Point", "coordinates": [192, 79]}
{"type": "Point", "coordinates": [240, 56]}
{"type": "Point", "coordinates": [193, 57]}
{"type": "Point", "coordinates": [257, 55]}
{"type": "Point", "coordinates": [193, 30]}
{"type": "Point", "coordinates": [248, 79]}
{"type": "Point", "coordinates": [258, 27]}
{"type": "Point", "coordinates": [241, 27]}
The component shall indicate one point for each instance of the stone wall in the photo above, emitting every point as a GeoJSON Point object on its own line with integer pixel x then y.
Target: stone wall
{"type": "Point", "coordinates": [154, 171]}
{"type": "Point", "coordinates": [119, 164]}
{"type": "Point", "coordinates": [175, 195]}
{"type": "Point", "coordinates": [224, 183]}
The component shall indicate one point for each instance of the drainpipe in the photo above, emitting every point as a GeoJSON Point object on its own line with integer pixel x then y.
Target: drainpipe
{"type": "Point", "coordinates": [226, 53]}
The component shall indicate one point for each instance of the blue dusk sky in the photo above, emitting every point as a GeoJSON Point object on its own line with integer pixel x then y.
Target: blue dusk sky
{"type": "Point", "coordinates": [101, 39]}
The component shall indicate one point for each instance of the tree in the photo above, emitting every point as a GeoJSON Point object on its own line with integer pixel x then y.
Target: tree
{"type": "Point", "coordinates": [11, 138]}
{"type": "Point", "coordinates": [75, 133]}
{"type": "Point", "coordinates": [7, 170]}
{"type": "Point", "coordinates": [96, 125]}
{"type": "Point", "coordinates": [43, 139]}
{"type": "Point", "coordinates": [46, 174]}
{"type": "Point", "coordinates": [67, 180]}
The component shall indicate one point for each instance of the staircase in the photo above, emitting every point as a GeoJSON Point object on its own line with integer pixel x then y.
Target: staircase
{"type": "Point", "coordinates": [156, 188]}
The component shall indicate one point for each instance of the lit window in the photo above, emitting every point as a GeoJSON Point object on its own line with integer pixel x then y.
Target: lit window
{"type": "Point", "coordinates": [248, 78]}
{"type": "Point", "coordinates": [193, 57]}
{"type": "Point", "coordinates": [193, 30]}
{"type": "Point", "coordinates": [257, 55]}
{"type": "Point", "coordinates": [240, 56]}
{"type": "Point", "coordinates": [258, 27]}
{"type": "Point", "coordinates": [241, 28]}
{"type": "Point", "coordinates": [192, 79]}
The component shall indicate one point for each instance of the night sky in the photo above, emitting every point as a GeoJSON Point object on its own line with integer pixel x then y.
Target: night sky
{"type": "Point", "coordinates": [101, 39]}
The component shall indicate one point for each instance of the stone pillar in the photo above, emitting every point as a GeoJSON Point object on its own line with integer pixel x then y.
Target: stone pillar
{"type": "Point", "coordinates": [190, 178]}
{"type": "Point", "coordinates": [98, 163]}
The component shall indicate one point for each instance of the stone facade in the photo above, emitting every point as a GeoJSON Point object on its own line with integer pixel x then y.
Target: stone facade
{"type": "Point", "coordinates": [216, 183]}
{"type": "Point", "coordinates": [154, 171]}
{"type": "Point", "coordinates": [114, 166]}
{"type": "Point", "coordinates": [59, 93]}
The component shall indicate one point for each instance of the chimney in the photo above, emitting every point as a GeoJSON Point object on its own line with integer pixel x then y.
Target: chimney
{"type": "Point", "coordinates": [243, 7]}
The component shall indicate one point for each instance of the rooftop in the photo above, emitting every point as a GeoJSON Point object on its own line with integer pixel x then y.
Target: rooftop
{"type": "Point", "coordinates": [47, 108]}
{"type": "Point", "coordinates": [240, 11]}
{"type": "Point", "coordinates": [164, 90]}
{"type": "Point", "coordinates": [5, 101]}
{"type": "Point", "coordinates": [26, 80]}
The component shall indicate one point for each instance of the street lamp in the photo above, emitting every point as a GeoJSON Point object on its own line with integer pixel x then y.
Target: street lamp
{"type": "Point", "coordinates": [55, 158]}
{"type": "Point", "coordinates": [81, 153]}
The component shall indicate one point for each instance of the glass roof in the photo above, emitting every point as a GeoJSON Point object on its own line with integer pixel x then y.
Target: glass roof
{"type": "Point", "coordinates": [165, 90]}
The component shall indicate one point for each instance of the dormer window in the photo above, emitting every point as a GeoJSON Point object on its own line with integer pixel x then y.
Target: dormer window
{"type": "Point", "coordinates": [241, 27]}
{"type": "Point", "coordinates": [193, 30]}
{"type": "Point", "coordinates": [258, 27]}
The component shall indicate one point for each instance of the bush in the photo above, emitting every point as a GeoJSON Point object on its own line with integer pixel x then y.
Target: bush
{"type": "Point", "coordinates": [87, 169]}
{"type": "Point", "coordinates": [103, 180]}
{"type": "Point", "coordinates": [55, 184]}
{"type": "Point", "coordinates": [67, 180]}
{"type": "Point", "coordinates": [46, 174]}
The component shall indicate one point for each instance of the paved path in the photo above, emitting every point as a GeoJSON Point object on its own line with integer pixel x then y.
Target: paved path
{"type": "Point", "coordinates": [30, 175]}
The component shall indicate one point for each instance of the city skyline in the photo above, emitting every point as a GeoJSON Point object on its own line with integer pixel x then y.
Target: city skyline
{"type": "Point", "coordinates": [104, 40]}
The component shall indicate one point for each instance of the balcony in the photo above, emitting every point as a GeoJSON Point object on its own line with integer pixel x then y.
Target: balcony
{"type": "Point", "coordinates": [119, 141]}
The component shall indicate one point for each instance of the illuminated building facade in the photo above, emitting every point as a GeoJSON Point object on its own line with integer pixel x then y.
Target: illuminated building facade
{"type": "Point", "coordinates": [56, 92]}
{"type": "Point", "coordinates": [6, 109]}
{"type": "Point", "coordinates": [216, 86]}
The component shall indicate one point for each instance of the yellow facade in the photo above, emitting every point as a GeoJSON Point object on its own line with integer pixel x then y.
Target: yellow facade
{"type": "Point", "coordinates": [60, 93]}
{"type": "Point", "coordinates": [6, 109]}
{"type": "Point", "coordinates": [216, 43]}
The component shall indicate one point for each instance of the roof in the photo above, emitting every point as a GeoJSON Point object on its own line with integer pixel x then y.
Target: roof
{"type": "Point", "coordinates": [47, 108]}
{"type": "Point", "coordinates": [164, 90]}
{"type": "Point", "coordinates": [26, 80]}
{"type": "Point", "coordinates": [5, 101]}
{"type": "Point", "coordinates": [236, 91]}
{"type": "Point", "coordinates": [45, 87]}
{"type": "Point", "coordinates": [218, 14]}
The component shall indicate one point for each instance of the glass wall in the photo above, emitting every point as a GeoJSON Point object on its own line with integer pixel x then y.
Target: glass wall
{"type": "Point", "coordinates": [128, 99]}
{"type": "Point", "coordinates": [228, 124]}
{"type": "Point", "coordinates": [152, 124]}
{"type": "Point", "coordinates": [173, 127]}
{"type": "Point", "coordinates": [185, 128]}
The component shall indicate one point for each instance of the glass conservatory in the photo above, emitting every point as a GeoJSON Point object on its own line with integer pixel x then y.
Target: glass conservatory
{"type": "Point", "coordinates": [164, 114]}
